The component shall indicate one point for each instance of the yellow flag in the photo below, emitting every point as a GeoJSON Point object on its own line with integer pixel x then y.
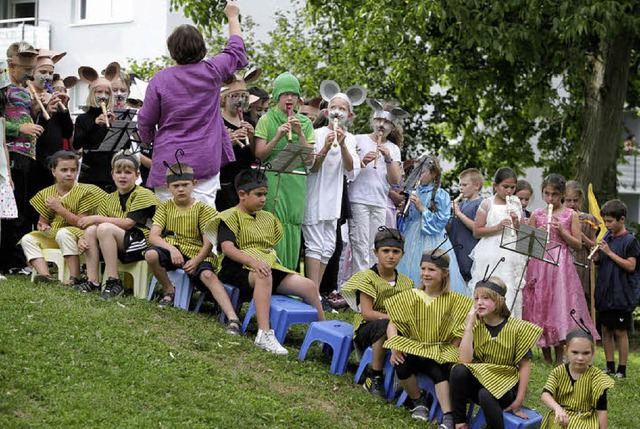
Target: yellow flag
{"type": "Point", "coordinates": [594, 210]}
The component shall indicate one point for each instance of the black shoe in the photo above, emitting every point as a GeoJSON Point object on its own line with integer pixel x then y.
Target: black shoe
{"type": "Point", "coordinates": [112, 288]}
{"type": "Point", "coordinates": [420, 408]}
{"type": "Point", "coordinates": [76, 282]}
{"type": "Point", "coordinates": [87, 286]}
{"type": "Point", "coordinates": [375, 386]}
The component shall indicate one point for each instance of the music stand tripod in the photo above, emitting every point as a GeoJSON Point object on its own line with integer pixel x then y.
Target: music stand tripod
{"type": "Point", "coordinates": [531, 242]}
{"type": "Point", "coordinates": [290, 157]}
{"type": "Point", "coordinates": [121, 133]}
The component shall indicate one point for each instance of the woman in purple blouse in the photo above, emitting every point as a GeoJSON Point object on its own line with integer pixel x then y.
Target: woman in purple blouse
{"type": "Point", "coordinates": [182, 108]}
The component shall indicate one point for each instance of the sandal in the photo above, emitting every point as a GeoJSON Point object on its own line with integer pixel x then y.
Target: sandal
{"type": "Point", "coordinates": [167, 300]}
{"type": "Point", "coordinates": [233, 327]}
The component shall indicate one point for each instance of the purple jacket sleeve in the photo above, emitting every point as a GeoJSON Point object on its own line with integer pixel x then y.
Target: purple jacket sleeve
{"type": "Point", "coordinates": [232, 58]}
{"type": "Point", "coordinates": [149, 114]}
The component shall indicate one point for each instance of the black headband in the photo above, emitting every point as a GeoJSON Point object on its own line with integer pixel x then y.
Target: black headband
{"type": "Point", "coordinates": [127, 157]}
{"type": "Point", "coordinates": [491, 286]}
{"type": "Point", "coordinates": [438, 260]}
{"type": "Point", "coordinates": [178, 177]}
{"type": "Point", "coordinates": [259, 182]}
{"type": "Point", "coordinates": [578, 333]}
{"type": "Point", "coordinates": [395, 240]}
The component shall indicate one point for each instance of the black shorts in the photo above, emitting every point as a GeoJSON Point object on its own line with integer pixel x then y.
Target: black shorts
{"type": "Point", "coordinates": [135, 245]}
{"type": "Point", "coordinates": [369, 333]}
{"type": "Point", "coordinates": [164, 257]}
{"type": "Point", "coordinates": [233, 274]}
{"type": "Point", "coordinates": [438, 372]}
{"type": "Point", "coordinates": [616, 319]}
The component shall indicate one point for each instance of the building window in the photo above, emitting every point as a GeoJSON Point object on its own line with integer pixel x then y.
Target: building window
{"type": "Point", "coordinates": [103, 11]}
{"type": "Point", "coordinates": [24, 10]}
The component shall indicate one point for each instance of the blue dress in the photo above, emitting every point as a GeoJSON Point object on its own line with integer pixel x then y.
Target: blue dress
{"type": "Point", "coordinates": [425, 231]}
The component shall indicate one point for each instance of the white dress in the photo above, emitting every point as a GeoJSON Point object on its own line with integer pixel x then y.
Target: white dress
{"type": "Point", "coordinates": [488, 252]}
{"type": "Point", "coordinates": [8, 207]}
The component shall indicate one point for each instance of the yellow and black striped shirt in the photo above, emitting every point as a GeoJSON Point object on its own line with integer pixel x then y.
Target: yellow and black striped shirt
{"type": "Point", "coordinates": [139, 199]}
{"type": "Point", "coordinates": [255, 235]}
{"type": "Point", "coordinates": [369, 282]}
{"type": "Point", "coordinates": [578, 399]}
{"type": "Point", "coordinates": [82, 198]}
{"type": "Point", "coordinates": [184, 228]}
{"type": "Point", "coordinates": [427, 326]}
{"type": "Point", "coordinates": [495, 359]}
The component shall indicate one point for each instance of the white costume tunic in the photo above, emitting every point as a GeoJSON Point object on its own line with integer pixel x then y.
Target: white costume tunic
{"type": "Point", "coordinates": [368, 197]}
{"type": "Point", "coordinates": [324, 196]}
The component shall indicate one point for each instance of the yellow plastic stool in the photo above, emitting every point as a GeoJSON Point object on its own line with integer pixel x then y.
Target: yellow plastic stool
{"type": "Point", "coordinates": [55, 256]}
{"type": "Point", "coordinates": [138, 274]}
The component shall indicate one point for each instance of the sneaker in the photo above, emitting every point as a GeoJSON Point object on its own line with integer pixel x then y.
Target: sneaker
{"type": "Point", "coordinates": [447, 422]}
{"type": "Point", "coordinates": [420, 409]}
{"type": "Point", "coordinates": [43, 278]}
{"type": "Point", "coordinates": [75, 282]}
{"type": "Point", "coordinates": [375, 386]}
{"type": "Point", "coordinates": [2, 277]}
{"type": "Point", "coordinates": [166, 300]}
{"type": "Point", "coordinates": [267, 340]}
{"type": "Point", "coordinates": [87, 286]}
{"type": "Point", "coordinates": [607, 371]}
{"type": "Point", "coordinates": [620, 375]}
{"type": "Point", "coordinates": [21, 271]}
{"type": "Point", "coordinates": [112, 288]}
{"type": "Point", "coordinates": [336, 300]}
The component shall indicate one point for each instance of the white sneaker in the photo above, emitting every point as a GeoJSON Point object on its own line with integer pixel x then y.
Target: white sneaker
{"type": "Point", "coordinates": [267, 340]}
{"type": "Point", "coordinates": [2, 277]}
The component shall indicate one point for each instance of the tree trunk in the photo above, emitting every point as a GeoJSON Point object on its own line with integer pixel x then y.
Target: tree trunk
{"type": "Point", "coordinates": [602, 129]}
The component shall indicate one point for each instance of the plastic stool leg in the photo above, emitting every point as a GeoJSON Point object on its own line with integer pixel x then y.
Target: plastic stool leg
{"type": "Point", "coordinates": [247, 317]}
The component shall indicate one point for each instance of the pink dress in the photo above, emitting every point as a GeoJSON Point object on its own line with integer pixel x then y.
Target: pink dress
{"type": "Point", "coordinates": [551, 292]}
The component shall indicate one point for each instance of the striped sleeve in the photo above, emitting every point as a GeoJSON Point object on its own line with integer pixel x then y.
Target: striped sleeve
{"type": "Point", "coordinates": [207, 214]}
{"type": "Point", "coordinates": [105, 207]}
{"type": "Point", "coordinates": [526, 337]}
{"type": "Point", "coordinates": [278, 231]}
{"type": "Point", "coordinates": [143, 199]}
{"type": "Point", "coordinates": [551, 385]}
{"type": "Point", "coordinates": [90, 198]}
{"type": "Point", "coordinates": [39, 203]}
{"type": "Point", "coordinates": [160, 218]}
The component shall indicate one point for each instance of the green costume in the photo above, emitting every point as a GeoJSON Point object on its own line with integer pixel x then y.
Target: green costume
{"type": "Point", "coordinates": [427, 326]}
{"type": "Point", "coordinates": [578, 398]}
{"type": "Point", "coordinates": [292, 189]}
{"type": "Point", "coordinates": [82, 198]}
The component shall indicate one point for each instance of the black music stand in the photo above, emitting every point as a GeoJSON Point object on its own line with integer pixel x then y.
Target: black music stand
{"type": "Point", "coordinates": [532, 243]}
{"type": "Point", "coordinates": [121, 133]}
{"type": "Point", "coordinates": [287, 160]}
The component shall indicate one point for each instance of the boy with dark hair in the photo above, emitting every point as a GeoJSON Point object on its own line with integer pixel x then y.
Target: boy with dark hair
{"type": "Point", "coordinates": [247, 234]}
{"type": "Point", "coordinates": [178, 241]}
{"type": "Point", "coordinates": [616, 293]}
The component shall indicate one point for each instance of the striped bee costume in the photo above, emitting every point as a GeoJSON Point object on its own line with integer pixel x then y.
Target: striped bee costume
{"type": "Point", "coordinates": [82, 198]}
{"type": "Point", "coordinates": [369, 282]}
{"type": "Point", "coordinates": [579, 398]}
{"type": "Point", "coordinates": [184, 228]}
{"type": "Point", "coordinates": [138, 200]}
{"type": "Point", "coordinates": [428, 325]}
{"type": "Point", "coordinates": [495, 359]}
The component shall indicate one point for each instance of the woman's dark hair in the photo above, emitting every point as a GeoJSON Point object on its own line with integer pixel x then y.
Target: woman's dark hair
{"type": "Point", "coordinates": [503, 174]}
{"type": "Point", "coordinates": [186, 45]}
{"type": "Point", "coordinates": [62, 155]}
{"type": "Point", "coordinates": [556, 181]}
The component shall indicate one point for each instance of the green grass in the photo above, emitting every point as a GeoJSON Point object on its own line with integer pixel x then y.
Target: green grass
{"type": "Point", "coordinates": [74, 360]}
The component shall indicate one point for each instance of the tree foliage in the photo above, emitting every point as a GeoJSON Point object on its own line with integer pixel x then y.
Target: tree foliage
{"type": "Point", "coordinates": [488, 82]}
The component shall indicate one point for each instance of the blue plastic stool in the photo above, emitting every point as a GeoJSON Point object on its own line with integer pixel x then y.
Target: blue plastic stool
{"type": "Point", "coordinates": [511, 421]}
{"type": "Point", "coordinates": [426, 384]}
{"type": "Point", "coordinates": [389, 372]}
{"type": "Point", "coordinates": [234, 296]}
{"type": "Point", "coordinates": [184, 289]}
{"type": "Point", "coordinates": [335, 333]}
{"type": "Point", "coordinates": [284, 312]}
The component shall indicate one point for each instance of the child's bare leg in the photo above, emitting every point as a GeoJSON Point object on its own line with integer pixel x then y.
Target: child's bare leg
{"type": "Point", "coordinates": [111, 239]}
{"type": "Point", "coordinates": [73, 262]}
{"type": "Point", "coordinates": [410, 385]}
{"type": "Point", "coordinates": [608, 344]}
{"type": "Point", "coordinates": [210, 280]}
{"type": "Point", "coordinates": [295, 284]}
{"type": "Point", "coordinates": [443, 393]}
{"type": "Point", "coordinates": [92, 254]}
{"type": "Point", "coordinates": [40, 265]}
{"type": "Point", "coordinates": [312, 269]}
{"type": "Point", "coordinates": [559, 353]}
{"type": "Point", "coordinates": [151, 256]}
{"type": "Point", "coordinates": [379, 354]}
{"type": "Point", "coordinates": [546, 353]}
{"type": "Point", "coordinates": [261, 298]}
{"type": "Point", "coordinates": [623, 346]}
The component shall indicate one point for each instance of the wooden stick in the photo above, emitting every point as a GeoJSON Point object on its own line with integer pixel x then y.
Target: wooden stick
{"type": "Point", "coordinates": [103, 106]}
{"type": "Point", "coordinates": [34, 93]}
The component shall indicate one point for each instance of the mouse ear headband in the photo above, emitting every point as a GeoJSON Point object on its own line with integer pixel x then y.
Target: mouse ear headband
{"type": "Point", "coordinates": [392, 115]}
{"type": "Point", "coordinates": [90, 75]}
{"type": "Point", "coordinates": [68, 82]}
{"type": "Point", "coordinates": [238, 83]}
{"type": "Point", "coordinates": [354, 95]}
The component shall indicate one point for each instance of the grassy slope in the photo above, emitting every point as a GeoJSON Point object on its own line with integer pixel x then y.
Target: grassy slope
{"type": "Point", "coordinates": [73, 360]}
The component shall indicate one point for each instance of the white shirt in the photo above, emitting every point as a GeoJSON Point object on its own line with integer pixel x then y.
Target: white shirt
{"type": "Point", "coordinates": [324, 187]}
{"type": "Point", "coordinates": [371, 186]}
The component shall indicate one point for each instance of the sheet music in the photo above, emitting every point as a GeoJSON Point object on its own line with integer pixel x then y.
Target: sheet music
{"type": "Point", "coordinates": [290, 158]}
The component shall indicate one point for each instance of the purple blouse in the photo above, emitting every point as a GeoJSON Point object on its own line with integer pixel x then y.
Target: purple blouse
{"type": "Point", "coordinates": [183, 102]}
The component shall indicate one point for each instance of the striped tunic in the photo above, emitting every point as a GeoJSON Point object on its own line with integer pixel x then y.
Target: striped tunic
{"type": "Point", "coordinates": [427, 326]}
{"type": "Point", "coordinates": [139, 199]}
{"type": "Point", "coordinates": [82, 198]}
{"type": "Point", "coordinates": [495, 359]}
{"type": "Point", "coordinates": [256, 235]}
{"type": "Point", "coordinates": [184, 228]}
{"type": "Point", "coordinates": [578, 399]}
{"type": "Point", "coordinates": [369, 282]}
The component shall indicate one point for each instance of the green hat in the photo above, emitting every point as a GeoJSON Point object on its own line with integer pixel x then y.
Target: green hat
{"type": "Point", "coordinates": [286, 82]}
